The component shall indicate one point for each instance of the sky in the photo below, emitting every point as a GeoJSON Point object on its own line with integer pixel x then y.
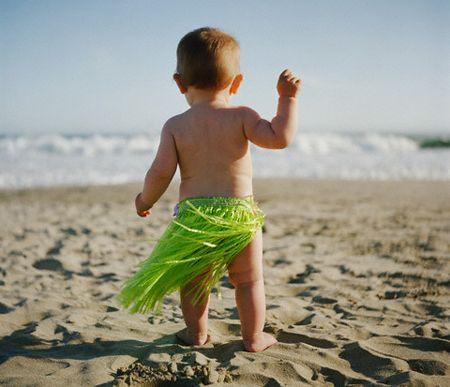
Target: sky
{"type": "Point", "coordinates": [106, 66]}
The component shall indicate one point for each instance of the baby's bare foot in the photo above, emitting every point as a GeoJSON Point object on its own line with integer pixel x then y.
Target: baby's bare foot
{"type": "Point", "coordinates": [259, 342]}
{"type": "Point", "coordinates": [188, 339]}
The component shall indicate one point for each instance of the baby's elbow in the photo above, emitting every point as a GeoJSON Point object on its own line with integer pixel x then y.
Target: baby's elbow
{"type": "Point", "coordinates": [282, 142]}
{"type": "Point", "coordinates": [160, 173]}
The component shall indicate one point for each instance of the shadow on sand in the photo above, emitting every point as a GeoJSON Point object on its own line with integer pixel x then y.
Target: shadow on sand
{"type": "Point", "coordinates": [23, 342]}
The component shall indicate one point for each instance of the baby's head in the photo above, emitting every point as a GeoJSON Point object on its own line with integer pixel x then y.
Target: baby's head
{"type": "Point", "coordinates": [207, 58]}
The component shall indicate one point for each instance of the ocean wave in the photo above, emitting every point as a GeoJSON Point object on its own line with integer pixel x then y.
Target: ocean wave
{"type": "Point", "coordinates": [89, 145]}
{"type": "Point", "coordinates": [61, 159]}
{"type": "Point", "coordinates": [328, 143]}
{"type": "Point", "coordinates": [306, 142]}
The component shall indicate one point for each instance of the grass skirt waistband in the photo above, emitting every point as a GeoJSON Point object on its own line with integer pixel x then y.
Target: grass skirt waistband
{"type": "Point", "coordinates": [203, 238]}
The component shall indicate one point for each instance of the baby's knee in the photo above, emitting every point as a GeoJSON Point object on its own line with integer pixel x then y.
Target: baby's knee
{"type": "Point", "coordinates": [245, 278]}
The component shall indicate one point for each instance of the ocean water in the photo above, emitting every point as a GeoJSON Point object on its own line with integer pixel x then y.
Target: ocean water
{"type": "Point", "coordinates": [68, 159]}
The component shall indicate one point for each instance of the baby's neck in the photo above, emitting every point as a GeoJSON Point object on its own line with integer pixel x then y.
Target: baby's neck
{"type": "Point", "coordinates": [198, 96]}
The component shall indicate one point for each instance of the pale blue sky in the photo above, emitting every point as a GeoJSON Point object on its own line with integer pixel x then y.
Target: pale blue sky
{"type": "Point", "coordinates": [106, 66]}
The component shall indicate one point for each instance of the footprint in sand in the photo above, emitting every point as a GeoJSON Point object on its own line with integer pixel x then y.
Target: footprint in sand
{"type": "Point", "coordinates": [56, 249]}
{"type": "Point", "coordinates": [410, 378]}
{"type": "Point", "coordinates": [428, 367]}
{"type": "Point", "coordinates": [66, 334]}
{"type": "Point", "coordinates": [300, 278]}
{"type": "Point", "coordinates": [281, 262]}
{"type": "Point", "coordinates": [370, 364]}
{"type": "Point", "coordinates": [393, 294]}
{"type": "Point", "coordinates": [48, 264]}
{"type": "Point", "coordinates": [346, 315]}
{"type": "Point", "coordinates": [52, 264]}
{"type": "Point", "coordinates": [307, 320]}
{"type": "Point", "coordinates": [107, 277]}
{"type": "Point", "coordinates": [86, 231]}
{"type": "Point", "coordinates": [69, 231]}
{"type": "Point", "coordinates": [293, 338]}
{"type": "Point", "coordinates": [324, 300]}
{"type": "Point", "coordinates": [4, 309]}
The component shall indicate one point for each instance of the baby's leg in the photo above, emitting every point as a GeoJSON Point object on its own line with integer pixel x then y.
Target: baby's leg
{"type": "Point", "coordinates": [195, 316]}
{"type": "Point", "coordinates": [246, 275]}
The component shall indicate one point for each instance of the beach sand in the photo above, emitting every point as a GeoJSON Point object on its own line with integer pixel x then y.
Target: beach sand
{"type": "Point", "coordinates": [357, 281]}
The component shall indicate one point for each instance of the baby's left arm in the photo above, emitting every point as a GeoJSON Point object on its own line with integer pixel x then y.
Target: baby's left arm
{"type": "Point", "coordinates": [161, 172]}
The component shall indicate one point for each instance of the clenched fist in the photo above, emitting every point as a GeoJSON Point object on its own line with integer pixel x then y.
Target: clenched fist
{"type": "Point", "coordinates": [142, 208]}
{"type": "Point", "coordinates": [288, 84]}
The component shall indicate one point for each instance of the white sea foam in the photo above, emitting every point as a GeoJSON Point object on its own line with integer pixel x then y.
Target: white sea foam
{"type": "Point", "coordinates": [320, 143]}
{"type": "Point", "coordinates": [308, 143]}
{"type": "Point", "coordinates": [79, 145]}
{"type": "Point", "coordinates": [56, 159]}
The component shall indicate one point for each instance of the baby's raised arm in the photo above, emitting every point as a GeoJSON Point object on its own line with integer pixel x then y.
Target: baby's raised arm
{"type": "Point", "coordinates": [279, 132]}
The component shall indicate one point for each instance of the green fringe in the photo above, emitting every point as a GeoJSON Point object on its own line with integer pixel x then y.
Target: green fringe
{"type": "Point", "coordinates": [204, 238]}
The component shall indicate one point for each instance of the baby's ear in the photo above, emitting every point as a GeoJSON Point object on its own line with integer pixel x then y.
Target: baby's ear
{"type": "Point", "coordinates": [236, 83]}
{"type": "Point", "coordinates": [179, 81]}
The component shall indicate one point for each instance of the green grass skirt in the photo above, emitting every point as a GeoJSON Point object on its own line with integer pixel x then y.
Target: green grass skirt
{"type": "Point", "coordinates": [204, 237]}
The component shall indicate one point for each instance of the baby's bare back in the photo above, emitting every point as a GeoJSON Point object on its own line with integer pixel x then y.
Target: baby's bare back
{"type": "Point", "coordinates": [213, 152]}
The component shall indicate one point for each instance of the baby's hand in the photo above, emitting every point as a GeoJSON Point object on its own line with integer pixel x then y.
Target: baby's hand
{"type": "Point", "coordinates": [142, 208]}
{"type": "Point", "coordinates": [288, 84]}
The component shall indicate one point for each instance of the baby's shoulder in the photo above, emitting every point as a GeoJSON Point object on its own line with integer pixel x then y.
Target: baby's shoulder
{"type": "Point", "coordinates": [244, 109]}
{"type": "Point", "coordinates": [176, 119]}
{"type": "Point", "coordinates": [174, 122]}
{"type": "Point", "coordinates": [247, 114]}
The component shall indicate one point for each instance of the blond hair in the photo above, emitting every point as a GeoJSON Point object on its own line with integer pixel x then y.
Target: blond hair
{"type": "Point", "coordinates": [207, 58]}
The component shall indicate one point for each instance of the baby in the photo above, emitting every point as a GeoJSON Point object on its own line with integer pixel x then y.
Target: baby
{"type": "Point", "coordinates": [210, 143]}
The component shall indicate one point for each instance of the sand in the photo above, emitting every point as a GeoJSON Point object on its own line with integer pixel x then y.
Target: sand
{"type": "Point", "coordinates": [357, 280]}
